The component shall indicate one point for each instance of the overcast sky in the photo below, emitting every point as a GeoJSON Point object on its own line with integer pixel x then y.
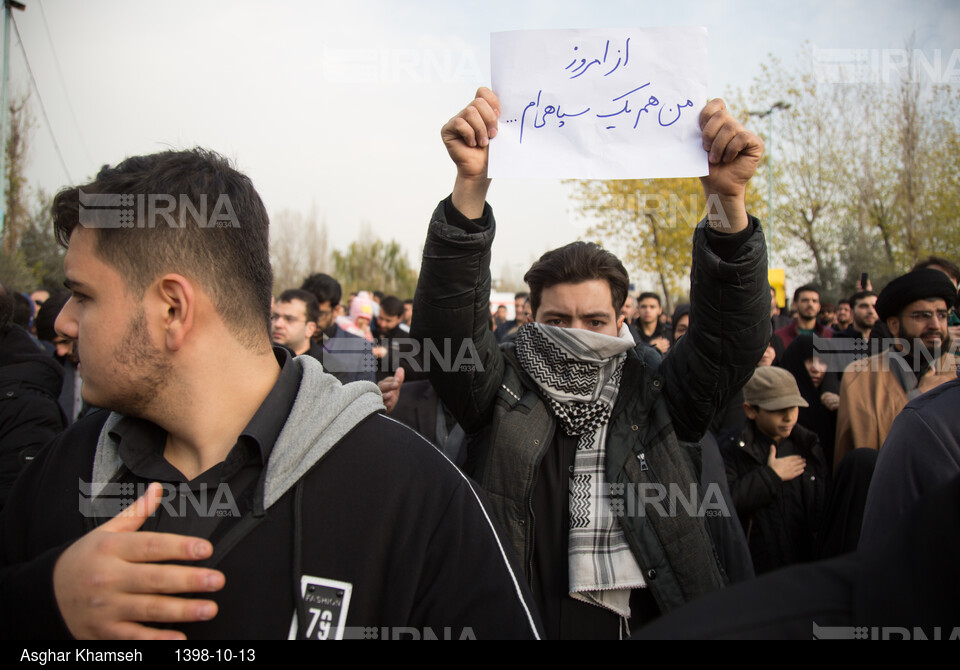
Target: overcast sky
{"type": "Point", "coordinates": [338, 105]}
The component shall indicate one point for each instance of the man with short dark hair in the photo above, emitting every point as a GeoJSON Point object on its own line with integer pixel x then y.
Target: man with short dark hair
{"type": "Point", "coordinates": [874, 389]}
{"type": "Point", "coordinates": [862, 337]}
{"type": "Point", "coordinates": [807, 301]}
{"type": "Point", "coordinates": [844, 315]}
{"type": "Point", "coordinates": [172, 329]}
{"type": "Point", "coordinates": [510, 328]}
{"type": "Point", "coordinates": [864, 312]}
{"type": "Point", "coordinates": [647, 327]}
{"type": "Point", "coordinates": [394, 346]}
{"type": "Point", "coordinates": [828, 315]}
{"type": "Point", "coordinates": [327, 291]}
{"type": "Point", "coordinates": [573, 416]}
{"type": "Point", "coordinates": [390, 318]}
{"type": "Point", "coordinates": [344, 355]}
{"type": "Point", "coordinates": [294, 320]}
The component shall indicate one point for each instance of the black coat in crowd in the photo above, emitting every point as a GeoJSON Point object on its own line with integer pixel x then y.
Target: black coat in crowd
{"type": "Point", "coordinates": [30, 415]}
{"type": "Point", "coordinates": [816, 417]}
{"type": "Point", "coordinates": [781, 519]}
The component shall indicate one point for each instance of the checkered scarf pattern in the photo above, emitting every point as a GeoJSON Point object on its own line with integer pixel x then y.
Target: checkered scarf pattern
{"type": "Point", "coordinates": [578, 372]}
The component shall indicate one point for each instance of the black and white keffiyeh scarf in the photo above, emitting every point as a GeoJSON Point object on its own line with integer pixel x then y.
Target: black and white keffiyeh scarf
{"type": "Point", "coordinates": [578, 372]}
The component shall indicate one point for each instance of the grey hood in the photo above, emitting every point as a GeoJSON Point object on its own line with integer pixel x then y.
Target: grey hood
{"type": "Point", "coordinates": [324, 411]}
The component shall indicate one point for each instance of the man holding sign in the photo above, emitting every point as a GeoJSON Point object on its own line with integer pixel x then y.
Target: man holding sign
{"type": "Point", "coordinates": [585, 442]}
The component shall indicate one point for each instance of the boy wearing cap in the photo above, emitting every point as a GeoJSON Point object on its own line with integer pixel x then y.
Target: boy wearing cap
{"type": "Point", "coordinates": [777, 472]}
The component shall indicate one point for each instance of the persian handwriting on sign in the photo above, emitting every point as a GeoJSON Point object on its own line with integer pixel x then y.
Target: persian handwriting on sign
{"type": "Point", "coordinates": [568, 95]}
{"type": "Point", "coordinates": [540, 115]}
{"type": "Point", "coordinates": [580, 68]}
{"type": "Point", "coordinates": [547, 111]}
{"type": "Point", "coordinates": [584, 65]}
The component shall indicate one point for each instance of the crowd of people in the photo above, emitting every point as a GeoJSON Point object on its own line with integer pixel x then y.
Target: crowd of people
{"type": "Point", "coordinates": [331, 464]}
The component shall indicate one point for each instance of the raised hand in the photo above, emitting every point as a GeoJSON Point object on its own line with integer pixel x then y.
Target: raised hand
{"type": "Point", "coordinates": [734, 155]}
{"type": "Point", "coordinates": [467, 139]}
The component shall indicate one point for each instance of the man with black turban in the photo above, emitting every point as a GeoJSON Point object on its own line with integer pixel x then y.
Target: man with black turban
{"type": "Point", "coordinates": [874, 390]}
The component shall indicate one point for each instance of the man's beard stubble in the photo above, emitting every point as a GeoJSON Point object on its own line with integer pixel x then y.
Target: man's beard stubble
{"type": "Point", "coordinates": [148, 371]}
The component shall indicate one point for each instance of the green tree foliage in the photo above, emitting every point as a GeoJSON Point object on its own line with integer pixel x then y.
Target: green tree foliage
{"type": "Point", "coordinates": [299, 246]}
{"type": "Point", "coordinates": [14, 272]}
{"type": "Point", "coordinates": [865, 167]}
{"type": "Point", "coordinates": [38, 245]}
{"type": "Point", "coordinates": [649, 224]}
{"type": "Point", "coordinates": [374, 265]}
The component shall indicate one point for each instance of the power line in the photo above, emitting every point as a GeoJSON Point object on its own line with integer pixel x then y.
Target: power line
{"type": "Point", "coordinates": [63, 83]}
{"type": "Point", "coordinates": [43, 109]}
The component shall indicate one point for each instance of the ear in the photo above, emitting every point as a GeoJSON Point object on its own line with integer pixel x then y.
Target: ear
{"type": "Point", "coordinates": [893, 323]}
{"type": "Point", "coordinates": [179, 301]}
{"type": "Point", "coordinates": [310, 329]}
{"type": "Point", "coordinates": [749, 411]}
{"type": "Point", "coordinates": [620, 323]}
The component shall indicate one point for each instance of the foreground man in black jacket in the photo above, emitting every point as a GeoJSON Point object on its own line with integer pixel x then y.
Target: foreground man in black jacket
{"type": "Point", "coordinates": [292, 505]}
{"type": "Point", "coordinates": [586, 442]}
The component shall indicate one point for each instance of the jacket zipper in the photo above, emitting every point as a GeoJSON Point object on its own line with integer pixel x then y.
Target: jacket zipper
{"type": "Point", "coordinates": [536, 474]}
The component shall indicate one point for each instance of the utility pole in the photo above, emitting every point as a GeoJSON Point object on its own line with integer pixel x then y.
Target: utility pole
{"type": "Point", "coordinates": [8, 5]}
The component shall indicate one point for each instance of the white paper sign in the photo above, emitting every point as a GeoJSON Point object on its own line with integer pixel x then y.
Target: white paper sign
{"type": "Point", "coordinates": [599, 104]}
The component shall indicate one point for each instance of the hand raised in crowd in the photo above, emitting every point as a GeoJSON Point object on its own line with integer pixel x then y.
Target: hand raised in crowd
{"type": "Point", "coordinates": [390, 389]}
{"type": "Point", "coordinates": [788, 467]}
{"type": "Point", "coordinates": [467, 139]}
{"type": "Point", "coordinates": [830, 400]}
{"type": "Point", "coordinates": [112, 578]}
{"type": "Point", "coordinates": [734, 154]}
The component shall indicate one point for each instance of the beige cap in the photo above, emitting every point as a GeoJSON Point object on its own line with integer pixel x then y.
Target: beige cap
{"type": "Point", "coordinates": [772, 388]}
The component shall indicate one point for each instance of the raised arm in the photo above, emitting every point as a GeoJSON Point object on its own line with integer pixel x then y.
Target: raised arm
{"type": "Point", "coordinates": [452, 303]}
{"type": "Point", "coordinates": [467, 138]}
{"type": "Point", "coordinates": [729, 293]}
{"type": "Point", "coordinates": [734, 154]}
